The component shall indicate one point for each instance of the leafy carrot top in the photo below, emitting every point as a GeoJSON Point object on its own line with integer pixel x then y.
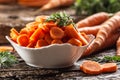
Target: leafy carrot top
{"type": "Point", "coordinates": [60, 18]}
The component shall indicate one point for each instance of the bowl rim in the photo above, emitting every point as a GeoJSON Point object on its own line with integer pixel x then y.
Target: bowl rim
{"type": "Point", "coordinates": [51, 45]}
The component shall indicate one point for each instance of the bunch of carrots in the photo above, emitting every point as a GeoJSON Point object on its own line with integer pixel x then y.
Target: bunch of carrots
{"type": "Point", "coordinates": [49, 30]}
{"type": "Point", "coordinates": [105, 27]}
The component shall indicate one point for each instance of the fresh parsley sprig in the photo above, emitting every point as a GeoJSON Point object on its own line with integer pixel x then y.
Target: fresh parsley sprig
{"type": "Point", "coordinates": [7, 59]}
{"type": "Point", "coordinates": [105, 59]}
{"type": "Point", "coordinates": [60, 18]}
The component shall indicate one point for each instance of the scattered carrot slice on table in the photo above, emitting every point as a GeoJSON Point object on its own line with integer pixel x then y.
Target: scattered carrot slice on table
{"type": "Point", "coordinates": [91, 67]}
{"type": "Point", "coordinates": [94, 68]}
{"type": "Point", "coordinates": [109, 67]}
{"type": "Point", "coordinates": [6, 48]}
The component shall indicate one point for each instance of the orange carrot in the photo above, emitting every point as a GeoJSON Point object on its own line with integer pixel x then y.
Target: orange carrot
{"type": "Point", "coordinates": [44, 28]}
{"type": "Point", "coordinates": [109, 67]}
{"type": "Point", "coordinates": [33, 3]}
{"type": "Point", "coordinates": [6, 48]}
{"type": "Point", "coordinates": [56, 3]}
{"type": "Point", "coordinates": [75, 41]}
{"type": "Point", "coordinates": [23, 40]}
{"type": "Point", "coordinates": [56, 41]}
{"type": "Point", "coordinates": [118, 47]}
{"type": "Point", "coordinates": [85, 36]}
{"type": "Point", "coordinates": [14, 34]}
{"type": "Point", "coordinates": [50, 24]}
{"type": "Point", "coordinates": [110, 41]}
{"type": "Point", "coordinates": [56, 33]}
{"type": "Point", "coordinates": [41, 18]}
{"type": "Point", "coordinates": [93, 20]}
{"type": "Point", "coordinates": [73, 33]}
{"type": "Point", "coordinates": [31, 44]}
{"type": "Point", "coordinates": [90, 30]}
{"type": "Point", "coordinates": [38, 34]}
{"type": "Point", "coordinates": [32, 25]}
{"type": "Point", "coordinates": [41, 43]}
{"type": "Point", "coordinates": [48, 38]}
{"type": "Point", "coordinates": [91, 67]}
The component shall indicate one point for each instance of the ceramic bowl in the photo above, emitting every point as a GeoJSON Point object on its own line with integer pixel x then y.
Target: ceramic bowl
{"type": "Point", "coordinates": [52, 56]}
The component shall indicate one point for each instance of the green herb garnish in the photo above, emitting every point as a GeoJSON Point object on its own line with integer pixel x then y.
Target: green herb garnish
{"type": "Point", "coordinates": [7, 59]}
{"type": "Point", "coordinates": [60, 18]}
{"type": "Point", "coordinates": [105, 59]}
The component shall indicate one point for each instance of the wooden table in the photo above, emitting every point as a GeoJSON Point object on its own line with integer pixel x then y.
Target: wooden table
{"type": "Point", "coordinates": [16, 16]}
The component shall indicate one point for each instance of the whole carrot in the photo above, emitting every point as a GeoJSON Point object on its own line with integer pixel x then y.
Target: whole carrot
{"type": "Point", "coordinates": [118, 47]}
{"type": "Point", "coordinates": [90, 30]}
{"type": "Point", "coordinates": [56, 3]}
{"type": "Point", "coordinates": [110, 41]}
{"type": "Point", "coordinates": [93, 20]}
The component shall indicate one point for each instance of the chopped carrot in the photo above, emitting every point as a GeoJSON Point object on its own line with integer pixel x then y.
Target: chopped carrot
{"type": "Point", "coordinates": [56, 33]}
{"type": "Point", "coordinates": [85, 36]}
{"type": "Point", "coordinates": [91, 67]}
{"type": "Point", "coordinates": [14, 34]}
{"type": "Point", "coordinates": [23, 40]}
{"type": "Point", "coordinates": [6, 48]}
{"type": "Point", "coordinates": [32, 25]}
{"type": "Point", "coordinates": [48, 38]}
{"type": "Point", "coordinates": [75, 41]}
{"type": "Point", "coordinates": [41, 43]}
{"type": "Point", "coordinates": [50, 24]}
{"type": "Point", "coordinates": [72, 32]}
{"type": "Point", "coordinates": [44, 28]}
{"type": "Point", "coordinates": [109, 67]}
{"type": "Point", "coordinates": [38, 34]}
{"type": "Point", "coordinates": [31, 44]}
{"type": "Point", "coordinates": [41, 18]}
{"type": "Point", "coordinates": [56, 41]}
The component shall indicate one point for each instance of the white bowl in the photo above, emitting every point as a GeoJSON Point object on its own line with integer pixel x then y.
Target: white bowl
{"type": "Point", "coordinates": [52, 56]}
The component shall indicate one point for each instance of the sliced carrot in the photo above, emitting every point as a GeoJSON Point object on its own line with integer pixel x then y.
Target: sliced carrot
{"type": "Point", "coordinates": [14, 34]}
{"type": "Point", "coordinates": [85, 36]}
{"type": "Point", "coordinates": [32, 25]}
{"type": "Point", "coordinates": [50, 24]}
{"type": "Point", "coordinates": [109, 67]}
{"type": "Point", "coordinates": [91, 67]}
{"type": "Point", "coordinates": [31, 44]}
{"type": "Point", "coordinates": [41, 18]}
{"type": "Point", "coordinates": [72, 32]}
{"type": "Point", "coordinates": [6, 48]}
{"type": "Point", "coordinates": [75, 41]}
{"type": "Point", "coordinates": [23, 40]}
{"type": "Point", "coordinates": [56, 33]}
{"type": "Point", "coordinates": [48, 38]}
{"type": "Point", "coordinates": [44, 28]}
{"type": "Point", "coordinates": [38, 34]}
{"type": "Point", "coordinates": [41, 43]}
{"type": "Point", "coordinates": [24, 31]}
{"type": "Point", "coordinates": [56, 41]}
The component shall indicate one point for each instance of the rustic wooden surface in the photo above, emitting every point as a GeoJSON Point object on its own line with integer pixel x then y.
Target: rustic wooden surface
{"type": "Point", "coordinates": [16, 16]}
